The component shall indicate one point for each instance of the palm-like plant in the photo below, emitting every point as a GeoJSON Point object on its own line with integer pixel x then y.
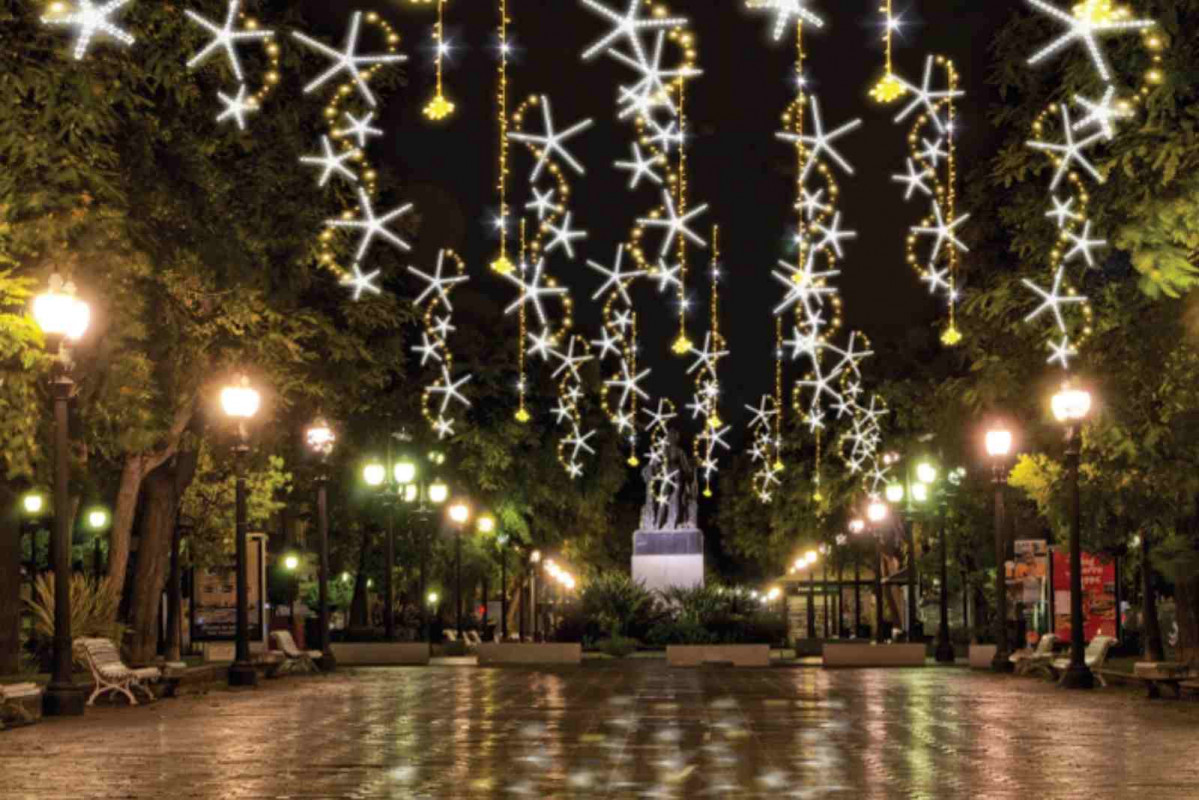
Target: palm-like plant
{"type": "Point", "coordinates": [94, 606]}
{"type": "Point", "coordinates": [616, 601]}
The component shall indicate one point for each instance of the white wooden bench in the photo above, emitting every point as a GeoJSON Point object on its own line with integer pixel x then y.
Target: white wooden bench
{"type": "Point", "coordinates": [295, 658]}
{"type": "Point", "coordinates": [1027, 661]}
{"type": "Point", "coordinates": [110, 673]}
{"type": "Point", "coordinates": [1095, 657]}
{"type": "Point", "coordinates": [20, 704]}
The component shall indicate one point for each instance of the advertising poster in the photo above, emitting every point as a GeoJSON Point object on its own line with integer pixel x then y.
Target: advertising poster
{"type": "Point", "coordinates": [1026, 574]}
{"type": "Point", "coordinates": [1098, 595]}
{"type": "Point", "coordinates": [214, 598]}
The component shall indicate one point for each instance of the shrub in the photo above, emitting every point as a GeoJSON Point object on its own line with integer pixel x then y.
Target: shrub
{"type": "Point", "coordinates": [94, 606]}
{"type": "Point", "coordinates": [668, 632]}
{"type": "Point", "coordinates": [617, 604]}
{"type": "Point", "coordinates": [617, 646]}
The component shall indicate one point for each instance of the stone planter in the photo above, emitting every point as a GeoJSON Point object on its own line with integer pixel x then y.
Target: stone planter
{"type": "Point", "coordinates": [380, 654]}
{"type": "Point", "coordinates": [497, 654]}
{"type": "Point", "coordinates": [874, 655]}
{"type": "Point", "coordinates": [736, 655]}
{"type": "Point", "coordinates": [981, 655]}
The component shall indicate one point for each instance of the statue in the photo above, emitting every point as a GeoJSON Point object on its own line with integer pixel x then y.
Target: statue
{"type": "Point", "coordinates": [677, 488]}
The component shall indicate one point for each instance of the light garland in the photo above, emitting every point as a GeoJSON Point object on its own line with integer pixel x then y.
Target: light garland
{"type": "Point", "coordinates": [439, 107]}
{"type": "Point", "coordinates": [889, 88]}
{"type": "Point", "coordinates": [706, 402]}
{"type": "Point", "coordinates": [90, 20]}
{"type": "Point", "coordinates": [226, 38]}
{"type": "Point", "coordinates": [436, 311]}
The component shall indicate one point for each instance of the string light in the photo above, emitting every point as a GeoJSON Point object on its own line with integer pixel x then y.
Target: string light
{"type": "Point", "coordinates": [501, 265]}
{"type": "Point", "coordinates": [430, 303]}
{"type": "Point", "coordinates": [439, 107]}
{"type": "Point", "coordinates": [889, 88]}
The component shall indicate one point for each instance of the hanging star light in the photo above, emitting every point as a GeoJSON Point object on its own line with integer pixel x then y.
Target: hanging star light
{"type": "Point", "coordinates": [437, 283]}
{"type": "Point", "coordinates": [225, 37]}
{"type": "Point", "coordinates": [439, 107]}
{"type": "Point", "coordinates": [1102, 113]}
{"type": "Point", "coordinates": [928, 98]}
{"type": "Point", "coordinates": [914, 180]}
{"type": "Point", "coordinates": [236, 107]}
{"type": "Point", "coordinates": [675, 223]}
{"type": "Point", "coordinates": [361, 282]}
{"type": "Point", "coordinates": [347, 60]}
{"type": "Point", "coordinates": [944, 232]}
{"type": "Point", "coordinates": [571, 362]}
{"type": "Point", "coordinates": [373, 226]}
{"type": "Point", "coordinates": [667, 276]}
{"type": "Point", "coordinates": [1091, 19]}
{"type": "Point", "coordinates": [1069, 151]}
{"type": "Point", "coordinates": [1083, 244]}
{"type": "Point", "coordinates": [821, 143]}
{"type": "Point", "coordinates": [331, 163]}
{"type": "Point", "coordinates": [607, 343]}
{"type": "Point", "coordinates": [811, 203]}
{"type": "Point", "coordinates": [640, 167]}
{"type": "Point", "coordinates": [360, 128]}
{"type": "Point", "coordinates": [91, 20]}
{"type": "Point", "coordinates": [542, 203]}
{"type": "Point", "coordinates": [551, 142]}
{"type": "Point", "coordinates": [832, 235]}
{"type": "Point", "coordinates": [532, 291]}
{"type": "Point", "coordinates": [563, 236]}
{"type": "Point", "coordinates": [651, 91]}
{"type": "Point", "coordinates": [889, 88]}
{"type": "Point", "coordinates": [1061, 352]}
{"type": "Point", "coordinates": [616, 279]}
{"type": "Point", "coordinates": [785, 11]}
{"type": "Point", "coordinates": [1052, 299]}
{"type": "Point", "coordinates": [1061, 212]}
{"type": "Point", "coordinates": [448, 389]}
{"type": "Point", "coordinates": [627, 26]}
{"type": "Point", "coordinates": [427, 349]}
{"type": "Point", "coordinates": [628, 383]}
{"type": "Point", "coordinates": [708, 357]}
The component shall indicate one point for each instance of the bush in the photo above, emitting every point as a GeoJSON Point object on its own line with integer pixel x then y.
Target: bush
{"type": "Point", "coordinates": [669, 632]}
{"type": "Point", "coordinates": [617, 646]}
{"type": "Point", "coordinates": [618, 605]}
{"type": "Point", "coordinates": [94, 605]}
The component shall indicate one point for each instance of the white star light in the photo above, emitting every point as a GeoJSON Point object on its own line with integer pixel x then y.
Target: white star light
{"type": "Point", "coordinates": [436, 283]}
{"type": "Point", "coordinates": [1052, 300]}
{"type": "Point", "coordinates": [578, 441]}
{"type": "Point", "coordinates": [658, 418]}
{"type": "Point", "coordinates": [944, 232]}
{"type": "Point", "coordinates": [627, 26]}
{"type": "Point", "coordinates": [360, 128]}
{"type": "Point", "coordinates": [785, 10]}
{"type": "Point", "coordinates": [708, 357]}
{"type": "Point", "coordinates": [810, 203]}
{"type": "Point", "coordinates": [347, 60]}
{"type": "Point", "coordinates": [1069, 150]}
{"type": "Point", "coordinates": [1083, 245]}
{"type": "Point", "coordinates": [443, 427]}
{"type": "Point", "coordinates": [236, 107]}
{"type": "Point", "coordinates": [573, 469]}
{"type": "Point", "coordinates": [532, 291]}
{"type": "Point", "coordinates": [616, 278]}
{"type": "Point", "coordinates": [542, 203]}
{"type": "Point", "coordinates": [1061, 352]}
{"type": "Point", "coordinates": [427, 349]}
{"type": "Point", "coordinates": [1084, 29]}
{"type": "Point", "coordinates": [444, 326]}
{"type": "Point", "coordinates": [607, 343]}
{"type": "Point", "coordinates": [331, 163]}
{"type": "Point", "coordinates": [923, 95]}
{"type": "Point", "coordinates": [623, 320]}
{"type": "Point", "coordinates": [562, 411]}
{"type": "Point", "coordinates": [804, 286]}
{"type": "Point", "coordinates": [543, 344]}
{"type": "Point", "coordinates": [360, 282]}
{"type": "Point", "coordinates": [935, 278]}
{"type": "Point", "coordinates": [666, 136]}
{"type": "Point", "coordinates": [372, 226]}
{"type": "Point", "coordinates": [91, 20]}
{"type": "Point", "coordinates": [448, 389]}
{"type": "Point", "coordinates": [667, 276]}
{"type": "Point", "coordinates": [224, 37]}
{"type": "Point", "coordinates": [914, 180]}
{"type": "Point", "coordinates": [833, 235]}
{"type": "Point", "coordinates": [563, 236]}
{"type": "Point", "coordinates": [551, 142]}
{"type": "Point", "coordinates": [628, 383]}
{"type": "Point", "coordinates": [1061, 212]}
{"type": "Point", "coordinates": [570, 361]}
{"type": "Point", "coordinates": [763, 413]}
{"type": "Point", "coordinates": [1101, 112]}
{"type": "Point", "coordinates": [802, 343]}
{"type": "Point", "coordinates": [675, 225]}
{"type": "Point", "coordinates": [651, 90]}
{"type": "Point", "coordinates": [640, 167]}
{"type": "Point", "coordinates": [821, 142]}
{"type": "Point", "coordinates": [933, 152]}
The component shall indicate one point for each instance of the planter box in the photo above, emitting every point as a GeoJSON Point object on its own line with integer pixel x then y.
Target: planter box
{"type": "Point", "coordinates": [737, 655]}
{"type": "Point", "coordinates": [874, 655]}
{"type": "Point", "coordinates": [981, 655]}
{"type": "Point", "coordinates": [380, 654]}
{"type": "Point", "coordinates": [494, 653]}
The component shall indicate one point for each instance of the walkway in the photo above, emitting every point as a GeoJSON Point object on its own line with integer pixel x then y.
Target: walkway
{"type": "Point", "coordinates": [625, 729]}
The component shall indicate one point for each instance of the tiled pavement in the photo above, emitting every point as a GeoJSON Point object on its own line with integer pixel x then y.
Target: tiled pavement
{"type": "Point", "coordinates": [628, 730]}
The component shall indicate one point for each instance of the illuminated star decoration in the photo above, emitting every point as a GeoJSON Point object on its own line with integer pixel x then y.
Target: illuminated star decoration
{"type": "Point", "coordinates": [935, 278]}
{"type": "Point", "coordinates": [360, 128]}
{"type": "Point", "coordinates": [708, 357]}
{"type": "Point", "coordinates": [1052, 300]}
{"type": "Point", "coordinates": [628, 383]}
{"type": "Point", "coordinates": [933, 152]}
{"type": "Point", "coordinates": [616, 278]}
{"type": "Point", "coordinates": [1061, 352]}
{"type": "Point", "coordinates": [563, 236]}
{"type": "Point", "coordinates": [371, 225]}
{"type": "Point", "coordinates": [346, 61]}
{"type": "Point", "coordinates": [667, 276]}
{"type": "Point", "coordinates": [627, 26]}
{"type": "Point", "coordinates": [331, 163]}
{"type": "Point", "coordinates": [360, 282]}
{"type": "Point", "coordinates": [236, 107]}
{"type": "Point", "coordinates": [832, 235]}
{"type": "Point", "coordinates": [550, 142]}
{"type": "Point", "coordinates": [675, 224]}
{"type": "Point", "coordinates": [91, 20]}
{"type": "Point", "coordinates": [578, 441]}
{"type": "Point", "coordinates": [542, 203]}
{"type": "Point", "coordinates": [448, 389]}
{"type": "Point", "coordinates": [640, 167]}
{"type": "Point", "coordinates": [1062, 212]}
{"type": "Point", "coordinates": [543, 344]}
{"type": "Point", "coordinates": [1101, 112]}
{"type": "Point", "coordinates": [1069, 151]}
{"type": "Point", "coordinates": [437, 283]}
{"type": "Point", "coordinates": [820, 141]}
{"type": "Point", "coordinates": [810, 203]}
{"type": "Point", "coordinates": [924, 95]}
{"type": "Point", "coordinates": [784, 11]}
{"type": "Point", "coordinates": [607, 343]}
{"type": "Point", "coordinates": [1083, 244]}
{"type": "Point", "coordinates": [914, 180]}
{"type": "Point", "coordinates": [804, 286]}
{"type": "Point", "coordinates": [224, 37]}
{"type": "Point", "coordinates": [532, 291]}
{"type": "Point", "coordinates": [570, 361]}
{"type": "Point", "coordinates": [427, 349]}
{"type": "Point", "coordinates": [763, 413]}
{"type": "Point", "coordinates": [944, 232]}
{"type": "Point", "coordinates": [666, 136]}
{"type": "Point", "coordinates": [1084, 26]}
{"type": "Point", "coordinates": [651, 91]}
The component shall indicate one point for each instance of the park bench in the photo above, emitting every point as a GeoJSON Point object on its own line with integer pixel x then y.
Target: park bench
{"type": "Point", "coordinates": [294, 657]}
{"type": "Point", "coordinates": [472, 639]}
{"type": "Point", "coordinates": [20, 704]}
{"type": "Point", "coordinates": [1156, 674]}
{"type": "Point", "coordinates": [1027, 661]}
{"type": "Point", "coordinates": [1095, 656]}
{"type": "Point", "coordinates": [110, 673]}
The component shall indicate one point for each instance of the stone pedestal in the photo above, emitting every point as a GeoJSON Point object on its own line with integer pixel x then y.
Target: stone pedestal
{"type": "Point", "coordinates": [662, 559]}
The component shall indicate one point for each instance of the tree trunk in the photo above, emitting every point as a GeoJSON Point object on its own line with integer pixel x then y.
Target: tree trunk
{"type": "Point", "coordinates": [10, 584]}
{"type": "Point", "coordinates": [1186, 598]}
{"type": "Point", "coordinates": [1152, 629]}
{"type": "Point", "coordinates": [123, 513]}
{"type": "Point", "coordinates": [359, 610]}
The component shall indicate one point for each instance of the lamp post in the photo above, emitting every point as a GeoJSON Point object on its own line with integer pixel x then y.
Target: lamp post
{"type": "Point", "coordinates": [534, 560]}
{"type": "Point", "coordinates": [437, 493]}
{"type": "Point", "coordinates": [459, 514]}
{"type": "Point", "coordinates": [97, 523]}
{"type": "Point", "coordinates": [485, 524]}
{"type": "Point", "coordinates": [320, 440]}
{"type": "Point", "coordinates": [999, 445]}
{"type": "Point", "coordinates": [32, 506]}
{"type": "Point", "coordinates": [856, 526]}
{"type": "Point", "coordinates": [876, 512]}
{"type": "Point", "coordinates": [1070, 407]}
{"type": "Point", "coordinates": [240, 403]}
{"type": "Point", "coordinates": [62, 317]}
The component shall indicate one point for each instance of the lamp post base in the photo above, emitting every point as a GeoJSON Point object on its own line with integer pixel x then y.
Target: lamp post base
{"type": "Point", "coordinates": [1078, 676]}
{"type": "Point", "coordinates": [62, 700]}
{"type": "Point", "coordinates": [327, 662]}
{"type": "Point", "coordinates": [1002, 662]}
{"type": "Point", "coordinates": [242, 673]}
{"type": "Point", "coordinates": [944, 653]}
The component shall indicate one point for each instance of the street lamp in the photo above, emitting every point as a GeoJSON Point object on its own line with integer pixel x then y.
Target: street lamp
{"type": "Point", "coordinates": [501, 540]}
{"type": "Point", "coordinates": [97, 522]}
{"type": "Point", "coordinates": [876, 512]}
{"type": "Point", "coordinates": [459, 514]}
{"type": "Point", "coordinates": [33, 503]}
{"type": "Point", "coordinates": [436, 493]}
{"type": "Point", "coordinates": [999, 446]}
{"type": "Point", "coordinates": [321, 439]}
{"type": "Point", "coordinates": [240, 403]}
{"type": "Point", "coordinates": [62, 317]}
{"type": "Point", "coordinates": [1070, 407]}
{"type": "Point", "coordinates": [856, 526]}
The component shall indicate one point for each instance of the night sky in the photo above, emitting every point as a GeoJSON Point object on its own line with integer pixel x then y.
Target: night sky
{"type": "Point", "coordinates": [736, 163]}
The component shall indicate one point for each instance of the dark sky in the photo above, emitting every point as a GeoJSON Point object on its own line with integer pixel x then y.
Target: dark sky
{"type": "Point", "coordinates": [736, 164]}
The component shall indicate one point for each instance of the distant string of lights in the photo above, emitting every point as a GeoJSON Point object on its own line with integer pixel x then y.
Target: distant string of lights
{"type": "Point", "coordinates": [439, 107]}
{"type": "Point", "coordinates": [437, 313]}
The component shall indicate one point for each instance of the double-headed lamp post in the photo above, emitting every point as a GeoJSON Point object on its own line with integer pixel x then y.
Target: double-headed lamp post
{"type": "Point", "coordinates": [320, 439]}
{"type": "Point", "coordinates": [240, 403]}
{"type": "Point", "coordinates": [1070, 407]}
{"type": "Point", "coordinates": [459, 515]}
{"type": "Point", "coordinates": [62, 317]}
{"type": "Point", "coordinates": [876, 512]}
{"type": "Point", "coordinates": [999, 446]}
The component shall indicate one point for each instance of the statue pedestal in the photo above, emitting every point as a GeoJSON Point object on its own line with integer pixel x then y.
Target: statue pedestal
{"type": "Point", "coordinates": [662, 559]}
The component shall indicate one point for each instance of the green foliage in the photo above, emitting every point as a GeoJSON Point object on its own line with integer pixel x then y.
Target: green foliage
{"type": "Point", "coordinates": [617, 603]}
{"type": "Point", "coordinates": [617, 646]}
{"type": "Point", "coordinates": [93, 611]}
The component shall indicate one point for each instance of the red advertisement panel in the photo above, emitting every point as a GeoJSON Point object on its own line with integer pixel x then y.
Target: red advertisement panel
{"type": "Point", "coordinates": [1098, 595]}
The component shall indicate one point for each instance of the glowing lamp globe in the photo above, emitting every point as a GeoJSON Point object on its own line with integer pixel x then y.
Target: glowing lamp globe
{"type": "Point", "coordinates": [926, 473]}
{"type": "Point", "coordinates": [459, 513]}
{"type": "Point", "coordinates": [320, 437]}
{"type": "Point", "coordinates": [811, 556]}
{"type": "Point", "coordinates": [486, 523]}
{"type": "Point", "coordinates": [438, 493]}
{"type": "Point", "coordinates": [59, 313]}
{"type": "Point", "coordinates": [774, 593]}
{"type": "Point", "coordinates": [432, 598]}
{"type": "Point", "coordinates": [920, 492]}
{"type": "Point", "coordinates": [405, 472]}
{"type": "Point", "coordinates": [535, 556]}
{"type": "Point", "coordinates": [856, 526]}
{"type": "Point", "coordinates": [97, 519]}
{"type": "Point", "coordinates": [240, 400]}
{"type": "Point", "coordinates": [374, 474]}
{"type": "Point", "coordinates": [291, 562]}
{"type": "Point", "coordinates": [894, 492]}
{"type": "Point", "coordinates": [411, 493]}
{"type": "Point", "coordinates": [876, 511]}
{"type": "Point", "coordinates": [33, 503]}
{"type": "Point", "coordinates": [1071, 405]}
{"type": "Point", "coordinates": [999, 443]}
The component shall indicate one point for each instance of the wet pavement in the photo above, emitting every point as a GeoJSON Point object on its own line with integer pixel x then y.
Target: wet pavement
{"type": "Point", "coordinates": [629, 729]}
